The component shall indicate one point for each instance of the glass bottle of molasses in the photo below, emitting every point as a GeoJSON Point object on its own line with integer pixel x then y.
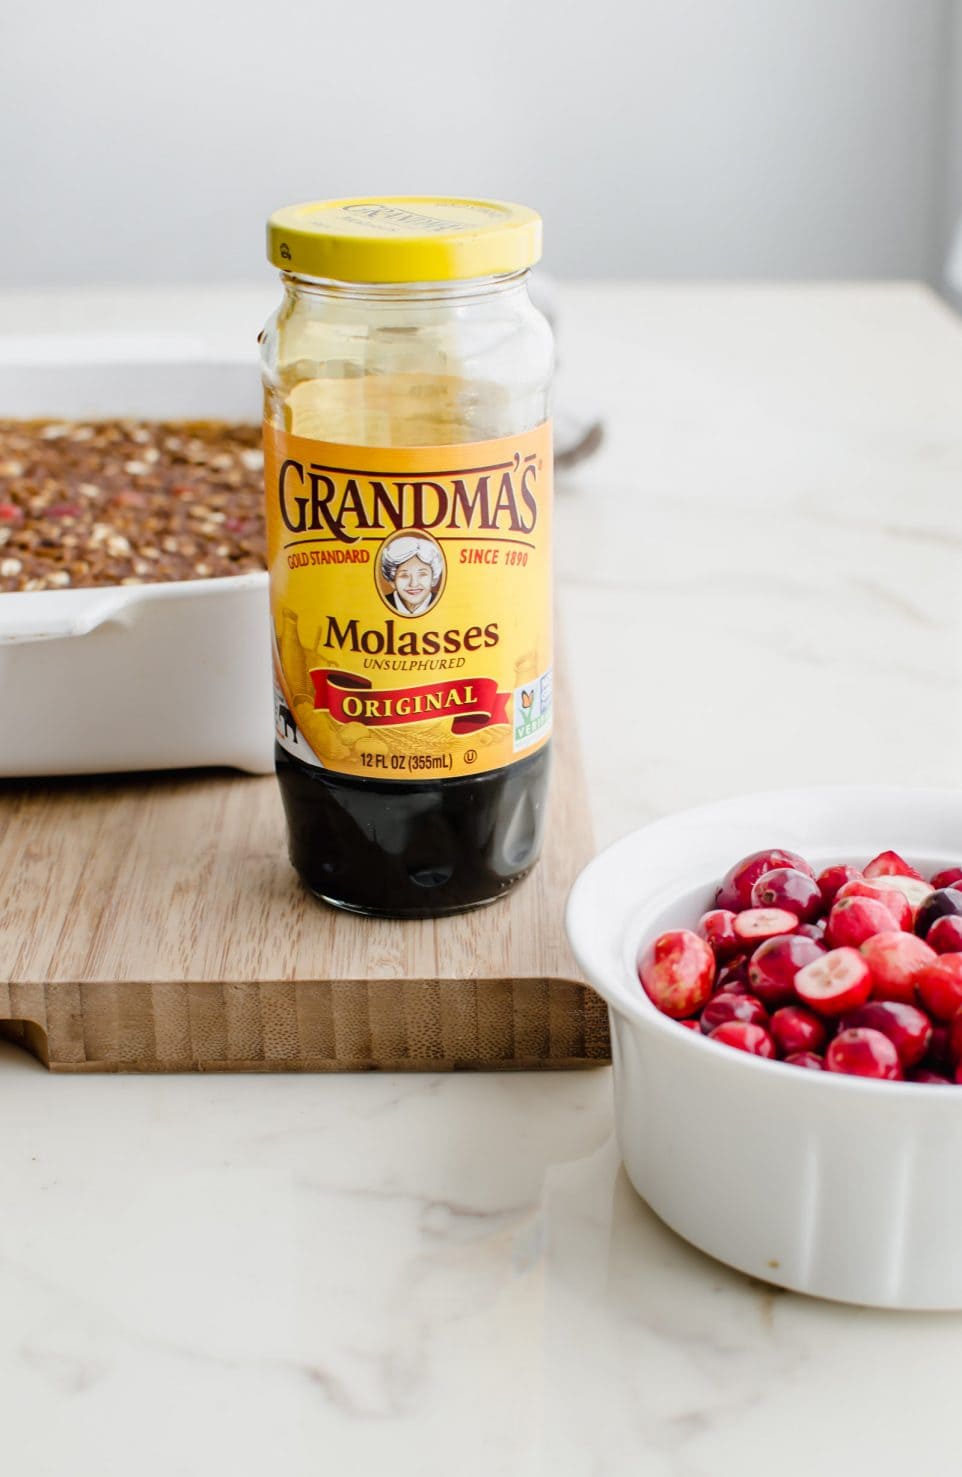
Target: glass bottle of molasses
{"type": "Point", "coordinates": [408, 492]}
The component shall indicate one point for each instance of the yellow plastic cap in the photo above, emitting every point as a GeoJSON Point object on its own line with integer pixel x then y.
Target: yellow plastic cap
{"type": "Point", "coordinates": [403, 238]}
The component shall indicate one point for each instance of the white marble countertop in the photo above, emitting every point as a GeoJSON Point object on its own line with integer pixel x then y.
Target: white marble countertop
{"type": "Point", "coordinates": [427, 1275]}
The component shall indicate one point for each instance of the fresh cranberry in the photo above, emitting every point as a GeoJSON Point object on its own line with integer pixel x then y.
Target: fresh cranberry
{"type": "Point", "coordinates": [737, 987]}
{"type": "Point", "coordinates": [785, 887]}
{"type": "Point", "coordinates": [755, 925]}
{"type": "Point", "coordinates": [745, 1037]}
{"type": "Point", "coordinates": [716, 927]}
{"type": "Point", "coordinates": [895, 959]}
{"type": "Point", "coordinates": [10, 513]}
{"type": "Point", "coordinates": [890, 864]}
{"type": "Point", "coordinates": [914, 889]}
{"type": "Point", "coordinates": [862, 1052]}
{"type": "Point", "coordinates": [835, 983]}
{"type": "Point", "coordinates": [855, 919]}
{"type": "Point", "coordinates": [774, 965]}
{"type": "Point", "coordinates": [939, 1054]}
{"type": "Point", "coordinates": [735, 891]}
{"type": "Point", "coordinates": [832, 879]}
{"type": "Point", "coordinates": [954, 1042]}
{"type": "Point", "coordinates": [677, 972]}
{"type": "Point", "coordinates": [945, 903]}
{"type": "Point", "coordinates": [796, 1029]}
{"type": "Point", "coordinates": [814, 931]}
{"type": "Point", "coordinates": [897, 904]}
{"type": "Point", "coordinates": [809, 1059]}
{"type": "Point", "coordinates": [924, 1074]}
{"type": "Point", "coordinates": [689, 1025]}
{"type": "Point", "coordinates": [908, 1028]}
{"type": "Point", "coordinates": [945, 935]}
{"type": "Point", "coordinates": [949, 878]}
{"type": "Point", "coordinates": [730, 1007]}
{"type": "Point", "coordinates": [940, 986]}
{"type": "Point", "coordinates": [733, 975]}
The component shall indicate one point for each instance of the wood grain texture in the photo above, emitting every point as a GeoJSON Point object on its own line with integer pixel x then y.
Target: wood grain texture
{"type": "Point", "coordinates": [155, 924]}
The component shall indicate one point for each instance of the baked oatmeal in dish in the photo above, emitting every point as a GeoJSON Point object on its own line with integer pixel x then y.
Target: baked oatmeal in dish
{"type": "Point", "coordinates": [128, 502]}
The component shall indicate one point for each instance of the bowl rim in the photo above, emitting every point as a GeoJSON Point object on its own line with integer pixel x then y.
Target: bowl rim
{"type": "Point", "coordinates": [638, 1009]}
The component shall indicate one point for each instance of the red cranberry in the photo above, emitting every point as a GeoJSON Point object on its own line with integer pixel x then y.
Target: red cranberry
{"type": "Point", "coordinates": [945, 935]}
{"type": "Point", "coordinates": [939, 1054]}
{"type": "Point", "coordinates": [809, 1059]}
{"type": "Point", "coordinates": [908, 1028]}
{"type": "Point", "coordinates": [814, 931]}
{"type": "Point", "coordinates": [954, 1047]}
{"type": "Point", "coordinates": [835, 983]}
{"type": "Point", "coordinates": [923, 1074]}
{"type": "Point", "coordinates": [10, 513]}
{"type": "Point", "coordinates": [940, 986]}
{"type": "Point", "coordinates": [774, 965]}
{"type": "Point", "coordinates": [897, 904]}
{"type": "Point", "coordinates": [862, 1052]}
{"type": "Point", "coordinates": [677, 972]}
{"type": "Point", "coordinates": [949, 878]}
{"type": "Point", "coordinates": [737, 987]}
{"type": "Point", "coordinates": [725, 1007]}
{"type": "Point", "coordinates": [890, 864]}
{"type": "Point", "coordinates": [755, 925]}
{"type": "Point", "coordinates": [717, 928]}
{"type": "Point", "coordinates": [735, 891]}
{"type": "Point", "coordinates": [834, 878]}
{"type": "Point", "coordinates": [945, 903]}
{"type": "Point", "coordinates": [914, 889]}
{"type": "Point", "coordinates": [689, 1025]}
{"type": "Point", "coordinates": [796, 1029]}
{"type": "Point", "coordinates": [785, 887]}
{"type": "Point", "coordinates": [895, 959]}
{"type": "Point", "coordinates": [745, 1037]}
{"type": "Point", "coordinates": [855, 919]}
{"type": "Point", "coordinates": [733, 975]}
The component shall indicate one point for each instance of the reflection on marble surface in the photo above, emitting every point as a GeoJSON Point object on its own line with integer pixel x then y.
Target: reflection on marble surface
{"type": "Point", "coordinates": [412, 1275]}
{"type": "Point", "coordinates": [419, 1275]}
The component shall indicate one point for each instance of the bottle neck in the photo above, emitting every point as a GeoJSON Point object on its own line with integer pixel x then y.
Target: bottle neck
{"type": "Point", "coordinates": [468, 291]}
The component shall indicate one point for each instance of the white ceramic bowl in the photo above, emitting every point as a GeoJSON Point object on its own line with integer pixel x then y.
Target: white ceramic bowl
{"type": "Point", "coordinates": [835, 1186]}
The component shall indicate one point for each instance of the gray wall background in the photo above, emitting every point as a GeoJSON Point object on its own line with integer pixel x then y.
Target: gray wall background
{"type": "Point", "coordinates": [660, 138]}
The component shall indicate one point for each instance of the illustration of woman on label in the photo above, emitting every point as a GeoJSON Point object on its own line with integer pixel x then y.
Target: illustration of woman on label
{"type": "Point", "coordinates": [412, 569]}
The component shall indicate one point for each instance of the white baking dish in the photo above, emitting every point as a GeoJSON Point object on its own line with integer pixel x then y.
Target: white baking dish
{"type": "Point", "coordinates": [837, 1186]}
{"type": "Point", "coordinates": [144, 676]}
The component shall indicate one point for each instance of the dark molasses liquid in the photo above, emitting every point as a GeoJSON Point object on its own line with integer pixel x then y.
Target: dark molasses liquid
{"type": "Point", "coordinates": [418, 849]}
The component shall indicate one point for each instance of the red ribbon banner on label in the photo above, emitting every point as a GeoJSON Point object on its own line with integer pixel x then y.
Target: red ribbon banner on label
{"type": "Point", "coordinates": [472, 703]}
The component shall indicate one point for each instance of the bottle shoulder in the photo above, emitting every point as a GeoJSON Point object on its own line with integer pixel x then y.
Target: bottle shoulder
{"type": "Point", "coordinates": [407, 372]}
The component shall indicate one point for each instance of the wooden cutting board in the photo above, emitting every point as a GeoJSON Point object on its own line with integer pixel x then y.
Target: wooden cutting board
{"type": "Point", "coordinates": [153, 923]}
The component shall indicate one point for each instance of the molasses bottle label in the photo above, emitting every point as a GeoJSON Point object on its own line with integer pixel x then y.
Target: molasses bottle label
{"type": "Point", "coordinates": [410, 603]}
